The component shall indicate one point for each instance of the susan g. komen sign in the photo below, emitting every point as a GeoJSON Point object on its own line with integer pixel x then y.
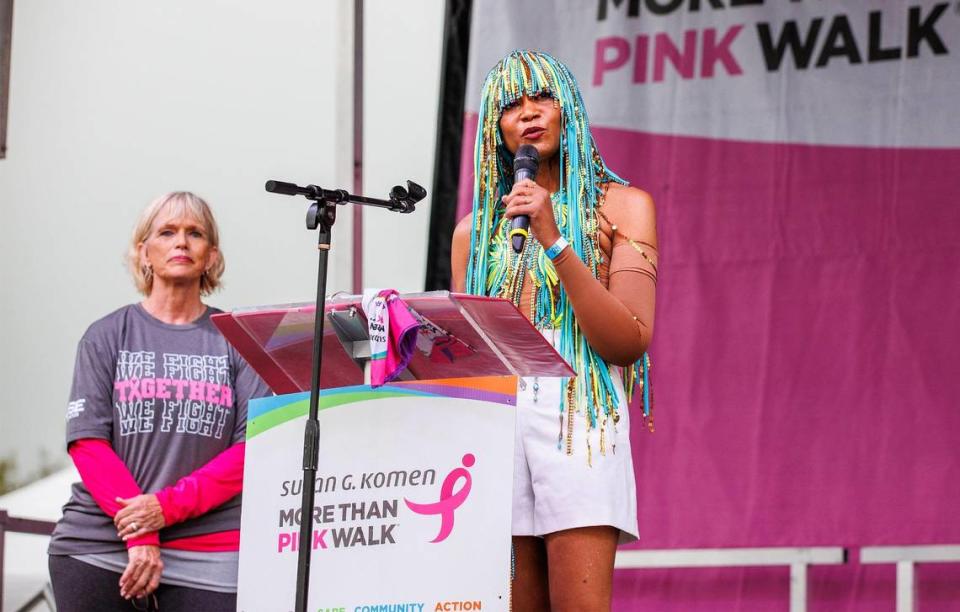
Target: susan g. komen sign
{"type": "Point", "coordinates": [412, 507]}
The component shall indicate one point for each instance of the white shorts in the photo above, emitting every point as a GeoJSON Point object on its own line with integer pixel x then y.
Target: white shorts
{"type": "Point", "coordinates": [553, 490]}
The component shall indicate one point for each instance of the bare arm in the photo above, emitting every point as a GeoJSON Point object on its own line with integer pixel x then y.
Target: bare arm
{"type": "Point", "coordinates": [618, 320]}
{"type": "Point", "coordinates": [460, 255]}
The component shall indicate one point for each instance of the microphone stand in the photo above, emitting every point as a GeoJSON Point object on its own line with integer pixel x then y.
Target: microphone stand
{"type": "Point", "coordinates": [321, 216]}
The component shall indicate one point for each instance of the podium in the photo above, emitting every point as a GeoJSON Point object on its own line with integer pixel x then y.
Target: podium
{"type": "Point", "coordinates": [414, 481]}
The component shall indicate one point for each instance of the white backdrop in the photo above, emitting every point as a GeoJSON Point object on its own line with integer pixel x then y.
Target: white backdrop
{"type": "Point", "coordinates": [113, 103]}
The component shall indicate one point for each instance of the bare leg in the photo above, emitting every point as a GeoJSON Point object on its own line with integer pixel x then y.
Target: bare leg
{"type": "Point", "coordinates": [580, 565]}
{"type": "Point", "coordinates": [529, 590]}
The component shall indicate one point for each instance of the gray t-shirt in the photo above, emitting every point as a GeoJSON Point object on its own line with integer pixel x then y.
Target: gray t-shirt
{"type": "Point", "coordinates": [169, 398]}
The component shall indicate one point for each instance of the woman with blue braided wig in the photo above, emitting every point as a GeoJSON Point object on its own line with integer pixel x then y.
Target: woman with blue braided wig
{"type": "Point", "coordinates": [586, 277]}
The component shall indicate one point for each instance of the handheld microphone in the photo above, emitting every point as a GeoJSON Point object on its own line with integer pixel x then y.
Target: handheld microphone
{"type": "Point", "coordinates": [525, 164]}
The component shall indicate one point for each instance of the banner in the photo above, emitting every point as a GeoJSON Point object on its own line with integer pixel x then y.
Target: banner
{"type": "Point", "coordinates": [412, 509]}
{"type": "Point", "coordinates": [803, 156]}
{"type": "Point", "coordinates": [861, 72]}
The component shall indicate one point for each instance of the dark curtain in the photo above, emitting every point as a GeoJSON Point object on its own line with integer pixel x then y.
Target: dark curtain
{"type": "Point", "coordinates": [456, 45]}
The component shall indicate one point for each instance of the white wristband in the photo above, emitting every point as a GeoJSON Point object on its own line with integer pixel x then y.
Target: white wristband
{"type": "Point", "coordinates": [557, 248]}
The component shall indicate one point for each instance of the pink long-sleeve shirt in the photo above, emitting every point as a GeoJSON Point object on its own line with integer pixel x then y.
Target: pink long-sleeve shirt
{"type": "Point", "coordinates": [107, 478]}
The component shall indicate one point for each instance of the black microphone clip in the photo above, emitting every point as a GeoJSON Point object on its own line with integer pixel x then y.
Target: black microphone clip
{"type": "Point", "coordinates": [404, 200]}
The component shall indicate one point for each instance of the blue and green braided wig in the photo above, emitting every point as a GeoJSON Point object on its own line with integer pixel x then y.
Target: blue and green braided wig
{"type": "Point", "coordinates": [582, 172]}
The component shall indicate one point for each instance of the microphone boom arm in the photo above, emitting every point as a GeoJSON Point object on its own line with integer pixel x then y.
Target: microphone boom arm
{"type": "Point", "coordinates": [402, 200]}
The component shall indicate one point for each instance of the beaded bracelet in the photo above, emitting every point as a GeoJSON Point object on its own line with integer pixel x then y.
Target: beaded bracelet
{"type": "Point", "coordinates": [557, 247]}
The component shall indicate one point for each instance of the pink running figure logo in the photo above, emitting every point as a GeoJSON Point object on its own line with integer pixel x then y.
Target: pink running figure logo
{"type": "Point", "coordinates": [449, 501]}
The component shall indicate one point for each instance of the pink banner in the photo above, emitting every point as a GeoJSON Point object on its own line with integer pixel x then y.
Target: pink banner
{"type": "Point", "coordinates": [805, 364]}
{"type": "Point", "coordinates": [805, 162]}
{"type": "Point", "coordinates": [806, 359]}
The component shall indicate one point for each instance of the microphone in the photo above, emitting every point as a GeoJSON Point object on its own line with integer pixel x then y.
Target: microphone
{"type": "Point", "coordinates": [284, 188]}
{"type": "Point", "coordinates": [525, 165]}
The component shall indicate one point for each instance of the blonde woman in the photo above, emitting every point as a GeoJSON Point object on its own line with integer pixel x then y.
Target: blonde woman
{"type": "Point", "coordinates": [155, 425]}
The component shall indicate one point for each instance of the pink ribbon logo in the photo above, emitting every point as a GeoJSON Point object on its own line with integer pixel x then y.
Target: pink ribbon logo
{"type": "Point", "coordinates": [449, 500]}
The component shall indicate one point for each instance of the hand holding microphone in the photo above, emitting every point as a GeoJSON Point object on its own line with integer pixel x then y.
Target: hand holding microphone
{"type": "Point", "coordinates": [529, 204]}
{"type": "Point", "coordinates": [525, 165]}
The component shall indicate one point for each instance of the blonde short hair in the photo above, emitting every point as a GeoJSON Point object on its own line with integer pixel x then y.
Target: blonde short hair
{"type": "Point", "coordinates": [178, 202]}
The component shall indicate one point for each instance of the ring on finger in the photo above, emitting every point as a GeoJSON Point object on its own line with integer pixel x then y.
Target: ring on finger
{"type": "Point", "coordinates": [133, 525]}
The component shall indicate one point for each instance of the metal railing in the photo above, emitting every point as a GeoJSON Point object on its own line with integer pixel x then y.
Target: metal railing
{"type": "Point", "coordinates": [13, 524]}
{"type": "Point", "coordinates": [906, 558]}
{"type": "Point", "coordinates": [796, 558]}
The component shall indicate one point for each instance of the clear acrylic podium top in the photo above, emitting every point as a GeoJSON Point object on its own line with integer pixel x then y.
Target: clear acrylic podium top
{"type": "Point", "coordinates": [464, 336]}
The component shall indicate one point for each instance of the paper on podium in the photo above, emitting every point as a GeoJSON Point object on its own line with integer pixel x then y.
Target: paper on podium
{"type": "Point", "coordinates": [488, 337]}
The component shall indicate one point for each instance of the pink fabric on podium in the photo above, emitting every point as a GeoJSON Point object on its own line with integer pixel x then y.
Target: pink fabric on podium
{"type": "Point", "coordinates": [393, 336]}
